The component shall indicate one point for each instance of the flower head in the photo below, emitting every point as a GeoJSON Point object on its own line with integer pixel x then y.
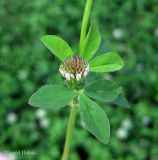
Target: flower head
{"type": "Point", "coordinates": [74, 67]}
{"type": "Point", "coordinates": [77, 66]}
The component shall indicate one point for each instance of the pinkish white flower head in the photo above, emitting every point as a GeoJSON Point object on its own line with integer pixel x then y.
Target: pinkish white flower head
{"type": "Point", "coordinates": [74, 68]}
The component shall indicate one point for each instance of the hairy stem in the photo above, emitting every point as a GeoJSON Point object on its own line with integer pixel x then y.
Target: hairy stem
{"type": "Point", "coordinates": [84, 24]}
{"type": "Point", "coordinates": [70, 129]}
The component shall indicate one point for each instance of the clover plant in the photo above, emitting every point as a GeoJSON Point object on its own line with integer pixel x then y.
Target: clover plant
{"type": "Point", "coordinates": [81, 90]}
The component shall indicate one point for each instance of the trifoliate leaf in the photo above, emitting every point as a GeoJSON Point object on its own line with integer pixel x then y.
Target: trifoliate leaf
{"type": "Point", "coordinates": [95, 119]}
{"type": "Point", "coordinates": [92, 43]}
{"type": "Point", "coordinates": [57, 46]}
{"type": "Point", "coordinates": [52, 96]}
{"type": "Point", "coordinates": [107, 62]}
{"type": "Point", "coordinates": [103, 90]}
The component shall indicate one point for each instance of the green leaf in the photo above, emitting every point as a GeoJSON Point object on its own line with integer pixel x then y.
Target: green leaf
{"type": "Point", "coordinates": [107, 62]}
{"type": "Point", "coordinates": [92, 43]}
{"type": "Point", "coordinates": [92, 77]}
{"type": "Point", "coordinates": [95, 119]}
{"type": "Point", "coordinates": [105, 46]}
{"type": "Point", "coordinates": [103, 90]}
{"type": "Point", "coordinates": [52, 96]}
{"type": "Point", "coordinates": [121, 101]}
{"type": "Point", "coordinates": [57, 46]}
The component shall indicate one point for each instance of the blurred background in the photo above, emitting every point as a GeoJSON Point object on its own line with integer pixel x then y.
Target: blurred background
{"type": "Point", "coordinates": [129, 27]}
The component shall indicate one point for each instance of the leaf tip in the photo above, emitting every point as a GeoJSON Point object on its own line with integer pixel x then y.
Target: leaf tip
{"type": "Point", "coordinates": [43, 38]}
{"type": "Point", "coordinates": [30, 101]}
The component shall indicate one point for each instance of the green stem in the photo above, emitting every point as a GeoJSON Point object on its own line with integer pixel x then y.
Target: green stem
{"type": "Point", "coordinates": [84, 24]}
{"type": "Point", "coordinates": [70, 129]}
{"type": "Point", "coordinates": [74, 105]}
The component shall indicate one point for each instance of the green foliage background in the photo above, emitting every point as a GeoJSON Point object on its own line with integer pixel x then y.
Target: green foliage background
{"type": "Point", "coordinates": [131, 27]}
